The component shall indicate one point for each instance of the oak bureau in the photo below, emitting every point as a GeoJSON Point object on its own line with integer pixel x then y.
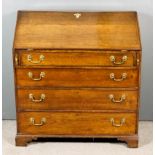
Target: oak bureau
{"type": "Point", "coordinates": [77, 75]}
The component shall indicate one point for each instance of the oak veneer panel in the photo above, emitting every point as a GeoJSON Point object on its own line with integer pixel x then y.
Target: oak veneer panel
{"type": "Point", "coordinates": [64, 123]}
{"type": "Point", "coordinates": [76, 99]}
{"type": "Point", "coordinates": [77, 77]}
{"type": "Point", "coordinates": [61, 30]}
{"type": "Point", "coordinates": [76, 58]}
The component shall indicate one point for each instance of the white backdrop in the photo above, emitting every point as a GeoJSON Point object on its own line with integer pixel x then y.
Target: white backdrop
{"type": "Point", "coordinates": [145, 13]}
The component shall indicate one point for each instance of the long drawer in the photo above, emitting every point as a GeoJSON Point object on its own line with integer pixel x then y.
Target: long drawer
{"type": "Point", "coordinates": [77, 77]}
{"type": "Point", "coordinates": [64, 123]}
{"type": "Point", "coordinates": [77, 58]}
{"type": "Point", "coordinates": [76, 99]}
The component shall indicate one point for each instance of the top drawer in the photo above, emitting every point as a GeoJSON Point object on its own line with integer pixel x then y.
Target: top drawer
{"type": "Point", "coordinates": [77, 58]}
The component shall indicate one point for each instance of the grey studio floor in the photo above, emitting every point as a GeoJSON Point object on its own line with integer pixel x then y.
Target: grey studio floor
{"type": "Point", "coordinates": [77, 148]}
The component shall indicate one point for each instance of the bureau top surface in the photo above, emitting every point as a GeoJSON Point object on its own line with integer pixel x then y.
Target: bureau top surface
{"type": "Point", "coordinates": [62, 30]}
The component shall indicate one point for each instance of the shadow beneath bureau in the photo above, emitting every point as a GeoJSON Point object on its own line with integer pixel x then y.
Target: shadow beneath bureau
{"type": "Point", "coordinates": [77, 140]}
{"type": "Point", "coordinates": [132, 141]}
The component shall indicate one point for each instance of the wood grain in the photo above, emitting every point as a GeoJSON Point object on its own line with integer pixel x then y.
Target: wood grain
{"type": "Point", "coordinates": [61, 123]}
{"type": "Point", "coordinates": [61, 30]}
{"type": "Point", "coordinates": [77, 58]}
{"type": "Point", "coordinates": [77, 99]}
{"type": "Point", "coordinates": [69, 77]}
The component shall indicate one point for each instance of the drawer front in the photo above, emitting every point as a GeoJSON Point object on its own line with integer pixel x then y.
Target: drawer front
{"type": "Point", "coordinates": [77, 77]}
{"type": "Point", "coordinates": [76, 99]}
{"type": "Point", "coordinates": [77, 58]}
{"type": "Point", "coordinates": [64, 123]}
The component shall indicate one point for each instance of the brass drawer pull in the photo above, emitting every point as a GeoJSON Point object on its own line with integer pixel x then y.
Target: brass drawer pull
{"type": "Point", "coordinates": [111, 96]}
{"type": "Point", "coordinates": [32, 98]}
{"type": "Point", "coordinates": [122, 121]}
{"type": "Point", "coordinates": [112, 76]}
{"type": "Point", "coordinates": [113, 60]}
{"type": "Point", "coordinates": [42, 122]}
{"type": "Point", "coordinates": [16, 59]}
{"type": "Point", "coordinates": [30, 75]}
{"type": "Point", "coordinates": [30, 59]}
{"type": "Point", "coordinates": [77, 15]}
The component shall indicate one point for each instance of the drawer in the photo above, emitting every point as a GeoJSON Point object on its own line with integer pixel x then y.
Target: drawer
{"type": "Point", "coordinates": [71, 123]}
{"type": "Point", "coordinates": [77, 77]}
{"type": "Point", "coordinates": [76, 99]}
{"type": "Point", "coordinates": [77, 58]}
